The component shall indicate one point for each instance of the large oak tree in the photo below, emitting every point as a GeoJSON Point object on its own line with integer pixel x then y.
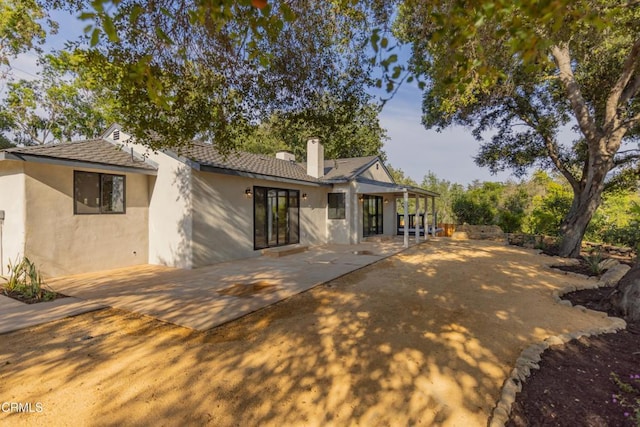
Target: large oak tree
{"type": "Point", "coordinates": [525, 70]}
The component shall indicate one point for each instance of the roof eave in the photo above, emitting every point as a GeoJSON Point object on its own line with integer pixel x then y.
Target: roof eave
{"type": "Point", "coordinates": [75, 163]}
{"type": "Point", "coordinates": [235, 172]}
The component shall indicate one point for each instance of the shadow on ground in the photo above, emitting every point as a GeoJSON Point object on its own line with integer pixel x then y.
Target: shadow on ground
{"type": "Point", "coordinates": [424, 337]}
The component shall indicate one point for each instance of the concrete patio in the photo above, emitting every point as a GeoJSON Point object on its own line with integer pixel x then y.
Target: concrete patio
{"type": "Point", "coordinates": [210, 296]}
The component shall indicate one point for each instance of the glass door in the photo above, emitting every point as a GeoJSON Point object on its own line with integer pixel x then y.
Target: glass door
{"type": "Point", "coordinates": [372, 215]}
{"type": "Point", "coordinates": [275, 217]}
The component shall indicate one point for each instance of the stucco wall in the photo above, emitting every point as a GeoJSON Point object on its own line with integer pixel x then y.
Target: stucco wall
{"type": "Point", "coordinates": [223, 216]}
{"type": "Point", "coordinates": [376, 172]}
{"type": "Point", "coordinates": [60, 242]}
{"type": "Point", "coordinates": [170, 213]}
{"type": "Point", "coordinates": [339, 230]}
{"type": "Point", "coordinates": [12, 202]}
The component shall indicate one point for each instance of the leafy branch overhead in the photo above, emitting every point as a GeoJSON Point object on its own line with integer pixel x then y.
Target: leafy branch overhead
{"type": "Point", "coordinates": [211, 70]}
{"type": "Point", "coordinates": [524, 72]}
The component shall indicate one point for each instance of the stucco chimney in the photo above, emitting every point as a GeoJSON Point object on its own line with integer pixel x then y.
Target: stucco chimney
{"type": "Point", "coordinates": [285, 155]}
{"type": "Point", "coordinates": [315, 158]}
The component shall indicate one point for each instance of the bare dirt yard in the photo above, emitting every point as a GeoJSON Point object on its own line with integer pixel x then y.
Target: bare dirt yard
{"type": "Point", "coordinates": [425, 337]}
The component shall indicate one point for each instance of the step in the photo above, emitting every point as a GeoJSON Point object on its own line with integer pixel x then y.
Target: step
{"type": "Point", "coordinates": [284, 251]}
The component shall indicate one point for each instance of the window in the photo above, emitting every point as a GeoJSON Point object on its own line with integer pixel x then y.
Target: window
{"type": "Point", "coordinates": [98, 193]}
{"type": "Point", "coordinates": [337, 206]}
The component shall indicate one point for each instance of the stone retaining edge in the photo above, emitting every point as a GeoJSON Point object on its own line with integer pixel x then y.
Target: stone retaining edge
{"type": "Point", "coordinates": [531, 356]}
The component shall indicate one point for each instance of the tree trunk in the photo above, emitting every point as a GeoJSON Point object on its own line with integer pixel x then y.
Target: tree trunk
{"type": "Point", "coordinates": [586, 199]}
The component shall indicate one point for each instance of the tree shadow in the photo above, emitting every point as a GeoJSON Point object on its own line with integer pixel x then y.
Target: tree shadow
{"type": "Point", "coordinates": [427, 336]}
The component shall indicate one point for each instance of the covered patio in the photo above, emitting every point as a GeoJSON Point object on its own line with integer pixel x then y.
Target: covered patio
{"type": "Point", "coordinates": [402, 195]}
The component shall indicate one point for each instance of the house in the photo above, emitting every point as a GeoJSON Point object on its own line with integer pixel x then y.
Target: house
{"type": "Point", "coordinates": [109, 202]}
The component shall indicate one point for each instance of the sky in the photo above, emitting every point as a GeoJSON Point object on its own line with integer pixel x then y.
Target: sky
{"type": "Point", "coordinates": [410, 147]}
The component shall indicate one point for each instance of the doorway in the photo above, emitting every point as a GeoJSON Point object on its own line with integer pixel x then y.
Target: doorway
{"type": "Point", "coordinates": [372, 215]}
{"type": "Point", "coordinates": [276, 217]}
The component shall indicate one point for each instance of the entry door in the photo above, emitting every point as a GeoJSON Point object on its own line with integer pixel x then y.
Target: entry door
{"type": "Point", "coordinates": [372, 215]}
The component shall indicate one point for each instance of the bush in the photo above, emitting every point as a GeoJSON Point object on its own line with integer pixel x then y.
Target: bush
{"type": "Point", "coordinates": [25, 282]}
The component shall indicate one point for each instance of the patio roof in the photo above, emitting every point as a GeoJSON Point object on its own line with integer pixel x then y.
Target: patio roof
{"type": "Point", "coordinates": [364, 185]}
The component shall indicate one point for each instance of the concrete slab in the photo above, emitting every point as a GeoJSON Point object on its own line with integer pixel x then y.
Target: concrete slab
{"type": "Point", "coordinates": [15, 315]}
{"type": "Point", "coordinates": [201, 299]}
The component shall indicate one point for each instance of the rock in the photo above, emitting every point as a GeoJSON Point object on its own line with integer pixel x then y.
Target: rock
{"type": "Point", "coordinates": [613, 275]}
{"type": "Point", "coordinates": [627, 297]}
{"type": "Point", "coordinates": [482, 232]}
{"type": "Point", "coordinates": [607, 264]}
{"type": "Point", "coordinates": [459, 235]}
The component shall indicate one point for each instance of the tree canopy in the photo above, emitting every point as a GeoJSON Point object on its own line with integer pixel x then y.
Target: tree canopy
{"type": "Point", "coordinates": [525, 70]}
{"type": "Point", "coordinates": [212, 71]}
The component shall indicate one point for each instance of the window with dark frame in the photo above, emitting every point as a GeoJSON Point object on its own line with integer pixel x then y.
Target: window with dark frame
{"type": "Point", "coordinates": [98, 193]}
{"type": "Point", "coordinates": [336, 206]}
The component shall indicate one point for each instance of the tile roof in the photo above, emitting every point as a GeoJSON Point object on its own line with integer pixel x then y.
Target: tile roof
{"type": "Point", "coordinates": [97, 151]}
{"type": "Point", "coordinates": [340, 169]}
{"type": "Point", "coordinates": [207, 155]}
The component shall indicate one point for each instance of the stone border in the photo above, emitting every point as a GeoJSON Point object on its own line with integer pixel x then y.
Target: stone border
{"type": "Point", "coordinates": [530, 357]}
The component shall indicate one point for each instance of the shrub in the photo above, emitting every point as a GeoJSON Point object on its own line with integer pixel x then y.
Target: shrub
{"type": "Point", "coordinates": [25, 281]}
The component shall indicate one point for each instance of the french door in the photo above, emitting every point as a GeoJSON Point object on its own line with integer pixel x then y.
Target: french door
{"type": "Point", "coordinates": [276, 217]}
{"type": "Point", "coordinates": [372, 215]}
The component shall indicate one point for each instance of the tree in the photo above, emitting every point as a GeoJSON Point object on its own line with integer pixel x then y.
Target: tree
{"type": "Point", "coordinates": [215, 70]}
{"type": "Point", "coordinates": [526, 70]}
{"type": "Point", "coordinates": [57, 107]}
{"type": "Point", "coordinates": [447, 194]}
{"type": "Point", "coordinates": [345, 128]}
{"type": "Point", "coordinates": [21, 29]}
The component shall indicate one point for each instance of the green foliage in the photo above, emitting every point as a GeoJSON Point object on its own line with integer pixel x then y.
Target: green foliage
{"type": "Point", "coordinates": [549, 205]}
{"type": "Point", "coordinates": [21, 27]}
{"type": "Point", "coordinates": [593, 261]}
{"type": "Point", "coordinates": [260, 68]}
{"type": "Point", "coordinates": [447, 194]}
{"type": "Point", "coordinates": [524, 71]}
{"type": "Point", "coordinates": [491, 203]}
{"type": "Point", "coordinates": [468, 210]}
{"type": "Point", "coordinates": [617, 221]}
{"type": "Point", "coordinates": [60, 106]}
{"type": "Point", "coordinates": [26, 281]}
{"type": "Point", "coordinates": [345, 128]}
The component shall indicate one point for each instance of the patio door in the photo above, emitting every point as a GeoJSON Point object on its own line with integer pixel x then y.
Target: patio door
{"type": "Point", "coordinates": [275, 217]}
{"type": "Point", "coordinates": [372, 215]}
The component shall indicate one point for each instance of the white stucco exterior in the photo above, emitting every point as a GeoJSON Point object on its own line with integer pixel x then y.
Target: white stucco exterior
{"type": "Point", "coordinates": [184, 215]}
{"type": "Point", "coordinates": [38, 200]}
{"type": "Point", "coordinates": [13, 203]}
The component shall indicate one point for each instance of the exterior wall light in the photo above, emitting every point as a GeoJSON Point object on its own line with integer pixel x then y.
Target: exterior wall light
{"type": "Point", "coordinates": [248, 193]}
{"type": "Point", "coordinates": [386, 201]}
{"type": "Point", "coordinates": [304, 196]}
{"type": "Point", "coordinates": [361, 197]}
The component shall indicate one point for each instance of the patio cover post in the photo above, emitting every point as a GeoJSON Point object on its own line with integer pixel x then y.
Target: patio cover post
{"type": "Point", "coordinates": [417, 218]}
{"type": "Point", "coordinates": [426, 218]}
{"type": "Point", "coordinates": [406, 218]}
{"type": "Point", "coordinates": [433, 213]}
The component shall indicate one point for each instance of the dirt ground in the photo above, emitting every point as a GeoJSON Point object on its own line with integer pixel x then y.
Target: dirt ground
{"type": "Point", "coordinates": [424, 337]}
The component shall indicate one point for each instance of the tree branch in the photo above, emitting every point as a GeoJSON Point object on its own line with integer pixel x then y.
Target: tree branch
{"type": "Point", "coordinates": [615, 94]}
{"type": "Point", "coordinates": [585, 120]}
{"type": "Point", "coordinates": [625, 159]}
{"type": "Point", "coordinates": [630, 91]}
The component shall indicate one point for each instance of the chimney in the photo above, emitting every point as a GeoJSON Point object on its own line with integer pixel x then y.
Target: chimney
{"type": "Point", "coordinates": [315, 158]}
{"type": "Point", "coordinates": [285, 155]}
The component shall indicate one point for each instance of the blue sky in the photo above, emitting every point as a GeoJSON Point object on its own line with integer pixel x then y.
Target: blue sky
{"type": "Point", "coordinates": [410, 147]}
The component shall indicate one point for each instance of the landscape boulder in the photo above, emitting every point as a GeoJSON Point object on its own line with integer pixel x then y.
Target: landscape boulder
{"type": "Point", "coordinates": [613, 274]}
{"type": "Point", "coordinates": [479, 232]}
{"type": "Point", "coordinates": [627, 295]}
